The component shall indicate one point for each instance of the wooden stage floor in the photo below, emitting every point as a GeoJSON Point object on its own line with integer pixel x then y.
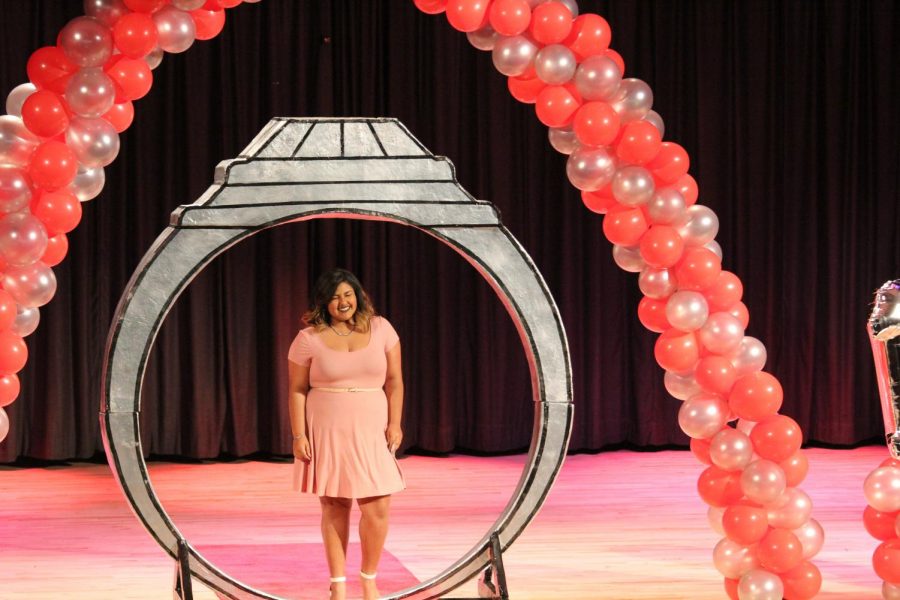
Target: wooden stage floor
{"type": "Point", "coordinates": [616, 525]}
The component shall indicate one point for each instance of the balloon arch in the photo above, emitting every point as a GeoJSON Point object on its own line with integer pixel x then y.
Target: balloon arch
{"type": "Point", "coordinates": [63, 127]}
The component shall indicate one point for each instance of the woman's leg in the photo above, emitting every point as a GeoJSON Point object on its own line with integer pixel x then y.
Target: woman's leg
{"type": "Point", "coordinates": [335, 536]}
{"type": "Point", "coordinates": [373, 528]}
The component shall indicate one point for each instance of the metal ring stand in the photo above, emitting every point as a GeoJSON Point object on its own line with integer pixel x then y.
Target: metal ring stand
{"type": "Point", "coordinates": [299, 169]}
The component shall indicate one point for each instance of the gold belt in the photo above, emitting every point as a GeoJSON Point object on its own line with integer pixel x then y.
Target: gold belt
{"type": "Point", "coordinates": [347, 389]}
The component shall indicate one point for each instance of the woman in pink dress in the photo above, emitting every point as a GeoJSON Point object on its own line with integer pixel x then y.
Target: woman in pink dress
{"type": "Point", "coordinates": [346, 402]}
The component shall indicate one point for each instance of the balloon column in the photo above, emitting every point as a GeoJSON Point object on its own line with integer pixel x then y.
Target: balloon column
{"type": "Point", "coordinates": [61, 129]}
{"type": "Point", "coordinates": [882, 486]}
{"type": "Point", "coordinates": [561, 62]}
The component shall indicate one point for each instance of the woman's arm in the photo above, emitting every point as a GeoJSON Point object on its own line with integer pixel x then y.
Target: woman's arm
{"type": "Point", "coordinates": [393, 389]}
{"type": "Point", "coordinates": [298, 387]}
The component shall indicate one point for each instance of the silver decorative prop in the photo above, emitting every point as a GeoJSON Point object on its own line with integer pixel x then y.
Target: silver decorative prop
{"type": "Point", "coordinates": [884, 334]}
{"type": "Point", "coordinates": [302, 169]}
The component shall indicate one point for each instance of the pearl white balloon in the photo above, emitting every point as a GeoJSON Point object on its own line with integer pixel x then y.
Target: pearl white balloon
{"type": "Point", "coordinates": [721, 333]}
{"type": "Point", "coordinates": [882, 489]}
{"type": "Point", "coordinates": [702, 416]}
{"type": "Point", "coordinates": [790, 510]}
{"type": "Point", "coordinates": [687, 310]}
{"type": "Point", "coordinates": [681, 386]}
{"type": "Point", "coordinates": [633, 185]}
{"type": "Point", "coordinates": [733, 560]}
{"type": "Point", "coordinates": [889, 591]}
{"type": "Point", "coordinates": [513, 55]}
{"type": "Point", "coordinates": [657, 283]}
{"type": "Point", "coordinates": [698, 226]}
{"type": "Point", "coordinates": [188, 4]}
{"type": "Point", "coordinates": [4, 425]}
{"type": "Point", "coordinates": [86, 41]}
{"type": "Point", "coordinates": [562, 139]}
{"type": "Point", "coordinates": [17, 97]}
{"type": "Point", "coordinates": [731, 450]}
{"type": "Point", "coordinates": [745, 426]}
{"type": "Point", "coordinates": [633, 100]}
{"type": "Point", "coordinates": [88, 182]}
{"type": "Point", "coordinates": [26, 322]}
{"type": "Point", "coordinates": [590, 169]}
{"type": "Point", "coordinates": [15, 188]}
{"type": "Point", "coordinates": [749, 356]}
{"type": "Point", "coordinates": [812, 538]}
{"type": "Point", "coordinates": [94, 141]}
{"type": "Point", "coordinates": [763, 481]}
{"type": "Point", "coordinates": [105, 11]}
{"type": "Point", "coordinates": [714, 516]}
{"type": "Point", "coordinates": [715, 248]}
{"type": "Point", "coordinates": [759, 584]}
{"type": "Point", "coordinates": [30, 286]}
{"type": "Point", "coordinates": [17, 144]}
{"type": "Point", "coordinates": [484, 38]}
{"type": "Point", "coordinates": [628, 258]}
{"type": "Point", "coordinates": [90, 93]}
{"type": "Point", "coordinates": [154, 57]}
{"type": "Point", "coordinates": [666, 206]}
{"type": "Point", "coordinates": [555, 64]}
{"type": "Point", "coordinates": [23, 239]}
{"type": "Point", "coordinates": [176, 29]}
{"type": "Point", "coordinates": [598, 78]}
{"type": "Point", "coordinates": [656, 120]}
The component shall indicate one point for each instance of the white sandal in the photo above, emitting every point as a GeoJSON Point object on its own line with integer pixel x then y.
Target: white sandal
{"type": "Point", "coordinates": [333, 580]}
{"type": "Point", "coordinates": [369, 576]}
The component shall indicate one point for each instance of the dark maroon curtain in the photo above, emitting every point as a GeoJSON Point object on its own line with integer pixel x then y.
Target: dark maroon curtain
{"type": "Point", "coordinates": [787, 108]}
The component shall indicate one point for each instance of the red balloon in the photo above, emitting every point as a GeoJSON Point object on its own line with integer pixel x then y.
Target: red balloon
{"type": "Point", "coordinates": [59, 211]}
{"type": "Point", "coordinates": [135, 34]}
{"type": "Point", "coordinates": [57, 247]}
{"type": "Point", "coordinates": [624, 225]}
{"type": "Point", "coordinates": [671, 163]}
{"type": "Point", "coordinates": [596, 124]}
{"type": "Point", "coordinates": [700, 450]}
{"type": "Point", "coordinates": [661, 246]}
{"type": "Point", "coordinates": [145, 6]}
{"type": "Point", "coordinates": [715, 374]}
{"type": "Point", "coordinates": [756, 396]}
{"type": "Point", "coordinates": [233, 3]}
{"type": "Point", "coordinates": [779, 551]}
{"type": "Point", "coordinates": [52, 166]}
{"type": "Point", "coordinates": [639, 143]}
{"type": "Point", "coordinates": [556, 105]}
{"type": "Point", "coordinates": [133, 77]}
{"type": "Point", "coordinates": [890, 461]}
{"type": "Point", "coordinates": [467, 15]}
{"type": "Point", "coordinates": [731, 588]}
{"type": "Point", "coordinates": [13, 353]}
{"type": "Point", "coordinates": [719, 488]}
{"type": "Point", "coordinates": [802, 582]}
{"type": "Point", "coordinates": [739, 311]}
{"type": "Point", "coordinates": [7, 310]}
{"type": "Point", "coordinates": [49, 68]}
{"type": "Point", "coordinates": [698, 269]}
{"type": "Point", "coordinates": [677, 350]}
{"type": "Point", "coordinates": [886, 560]}
{"type": "Point", "coordinates": [510, 17]}
{"type": "Point", "coordinates": [880, 525]}
{"type": "Point", "coordinates": [723, 292]}
{"type": "Point", "coordinates": [430, 7]}
{"type": "Point", "coordinates": [687, 185]}
{"type": "Point", "coordinates": [600, 201]}
{"type": "Point", "coordinates": [551, 22]}
{"type": "Point", "coordinates": [776, 438]}
{"type": "Point", "coordinates": [525, 91]}
{"type": "Point", "coordinates": [44, 114]}
{"type": "Point", "coordinates": [745, 524]}
{"type": "Point", "coordinates": [9, 389]}
{"type": "Point", "coordinates": [208, 23]}
{"type": "Point", "coordinates": [795, 468]}
{"type": "Point", "coordinates": [652, 314]}
{"type": "Point", "coordinates": [590, 35]}
{"type": "Point", "coordinates": [121, 115]}
{"type": "Point", "coordinates": [616, 58]}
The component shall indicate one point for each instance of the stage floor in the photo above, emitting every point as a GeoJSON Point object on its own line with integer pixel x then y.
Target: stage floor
{"type": "Point", "coordinates": [616, 525]}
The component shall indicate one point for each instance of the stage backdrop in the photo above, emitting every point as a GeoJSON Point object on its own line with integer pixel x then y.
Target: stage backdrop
{"type": "Point", "coordinates": [788, 110]}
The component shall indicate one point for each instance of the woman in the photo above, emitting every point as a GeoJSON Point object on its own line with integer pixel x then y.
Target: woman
{"type": "Point", "coordinates": [346, 401]}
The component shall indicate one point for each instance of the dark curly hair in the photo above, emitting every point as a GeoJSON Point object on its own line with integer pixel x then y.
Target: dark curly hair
{"type": "Point", "coordinates": [322, 293]}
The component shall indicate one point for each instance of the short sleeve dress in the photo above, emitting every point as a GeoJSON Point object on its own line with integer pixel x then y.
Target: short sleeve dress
{"type": "Point", "coordinates": [350, 456]}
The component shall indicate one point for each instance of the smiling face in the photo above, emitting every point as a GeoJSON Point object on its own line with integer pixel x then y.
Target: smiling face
{"type": "Point", "coordinates": [342, 305]}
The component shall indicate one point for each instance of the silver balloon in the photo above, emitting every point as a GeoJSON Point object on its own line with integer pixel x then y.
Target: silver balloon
{"type": "Point", "coordinates": [30, 286]}
{"type": "Point", "coordinates": [590, 169]}
{"type": "Point", "coordinates": [154, 57]}
{"type": "Point", "coordinates": [572, 5]}
{"type": "Point", "coordinates": [681, 386]}
{"type": "Point", "coordinates": [882, 489]}
{"type": "Point", "coordinates": [484, 38]}
{"type": "Point", "coordinates": [698, 226]}
{"type": "Point", "coordinates": [90, 93]}
{"type": "Point", "coordinates": [633, 100]}
{"type": "Point", "coordinates": [715, 247]}
{"type": "Point", "coordinates": [88, 182]}
{"type": "Point", "coordinates": [889, 591]}
{"type": "Point", "coordinates": [721, 333]}
{"type": "Point", "coordinates": [555, 64]}
{"type": "Point", "coordinates": [714, 516]}
{"type": "Point", "coordinates": [666, 206]}
{"type": "Point", "coordinates": [16, 143]}
{"type": "Point", "coordinates": [628, 258]}
{"type": "Point", "coordinates": [4, 424]}
{"type": "Point", "coordinates": [27, 320]}
{"type": "Point", "coordinates": [656, 120]}
{"type": "Point", "coordinates": [86, 41]}
{"type": "Point", "coordinates": [687, 310]}
{"type": "Point", "coordinates": [513, 55]}
{"type": "Point", "coordinates": [598, 78]}
{"type": "Point", "coordinates": [702, 416]}
{"type": "Point", "coordinates": [657, 283]}
{"type": "Point", "coordinates": [633, 185]}
{"type": "Point", "coordinates": [749, 356]}
{"type": "Point", "coordinates": [791, 510]}
{"type": "Point", "coordinates": [15, 189]}
{"type": "Point", "coordinates": [176, 29]}
{"type": "Point", "coordinates": [763, 481]}
{"type": "Point", "coordinates": [732, 559]}
{"type": "Point", "coordinates": [884, 337]}
{"type": "Point", "coordinates": [94, 141]}
{"type": "Point", "coordinates": [23, 239]}
{"type": "Point", "coordinates": [731, 450]}
{"type": "Point", "coordinates": [105, 11]}
{"type": "Point", "coordinates": [759, 584]}
{"type": "Point", "coordinates": [562, 139]}
{"type": "Point", "coordinates": [17, 97]}
{"type": "Point", "coordinates": [188, 4]}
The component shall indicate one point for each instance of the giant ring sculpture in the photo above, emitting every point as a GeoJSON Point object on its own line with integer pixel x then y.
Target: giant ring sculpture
{"type": "Point", "coordinates": [300, 169]}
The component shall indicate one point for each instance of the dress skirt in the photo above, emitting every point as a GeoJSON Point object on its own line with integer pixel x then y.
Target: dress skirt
{"type": "Point", "coordinates": [350, 455]}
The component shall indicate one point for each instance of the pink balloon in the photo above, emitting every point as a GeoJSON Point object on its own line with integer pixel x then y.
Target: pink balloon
{"type": "Point", "coordinates": [812, 538]}
{"type": "Point", "coordinates": [790, 510]}
{"type": "Point", "coordinates": [703, 416]}
{"type": "Point", "coordinates": [734, 560]}
{"type": "Point", "coordinates": [759, 584]}
{"type": "Point", "coordinates": [721, 333]}
{"type": "Point", "coordinates": [731, 450]}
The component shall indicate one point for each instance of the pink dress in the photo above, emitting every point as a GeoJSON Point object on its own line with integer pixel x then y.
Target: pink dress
{"type": "Point", "coordinates": [350, 456]}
